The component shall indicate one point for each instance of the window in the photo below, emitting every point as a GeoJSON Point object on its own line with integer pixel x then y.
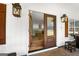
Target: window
{"type": "Point", "coordinates": [73, 26]}
{"type": "Point", "coordinates": [76, 27]}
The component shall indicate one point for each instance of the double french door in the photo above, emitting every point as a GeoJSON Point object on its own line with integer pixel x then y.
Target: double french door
{"type": "Point", "coordinates": [42, 30]}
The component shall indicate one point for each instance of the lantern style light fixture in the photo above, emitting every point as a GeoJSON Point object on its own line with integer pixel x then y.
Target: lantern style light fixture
{"type": "Point", "coordinates": [63, 18]}
{"type": "Point", "coordinates": [16, 9]}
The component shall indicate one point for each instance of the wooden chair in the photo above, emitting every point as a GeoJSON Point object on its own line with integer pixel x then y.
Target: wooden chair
{"type": "Point", "coordinates": [70, 45]}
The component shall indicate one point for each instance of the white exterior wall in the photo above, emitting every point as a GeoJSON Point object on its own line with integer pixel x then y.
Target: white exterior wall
{"type": "Point", "coordinates": [17, 29]}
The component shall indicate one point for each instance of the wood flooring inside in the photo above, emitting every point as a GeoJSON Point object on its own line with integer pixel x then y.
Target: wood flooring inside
{"type": "Point", "coordinates": [36, 44]}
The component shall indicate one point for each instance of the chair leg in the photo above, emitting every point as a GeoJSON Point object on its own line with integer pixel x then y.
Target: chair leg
{"type": "Point", "coordinates": [74, 49]}
{"type": "Point", "coordinates": [65, 47]}
{"type": "Point", "coordinates": [70, 50]}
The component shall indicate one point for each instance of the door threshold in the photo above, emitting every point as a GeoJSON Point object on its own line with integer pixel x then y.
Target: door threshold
{"type": "Point", "coordinates": [44, 50]}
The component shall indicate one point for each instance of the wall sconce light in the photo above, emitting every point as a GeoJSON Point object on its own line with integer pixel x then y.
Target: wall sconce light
{"type": "Point", "coordinates": [63, 18]}
{"type": "Point", "coordinates": [16, 9]}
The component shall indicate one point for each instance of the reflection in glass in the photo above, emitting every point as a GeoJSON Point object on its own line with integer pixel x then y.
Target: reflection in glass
{"type": "Point", "coordinates": [37, 25]}
{"type": "Point", "coordinates": [76, 26]}
{"type": "Point", "coordinates": [37, 30]}
{"type": "Point", "coordinates": [50, 30]}
{"type": "Point", "coordinates": [71, 26]}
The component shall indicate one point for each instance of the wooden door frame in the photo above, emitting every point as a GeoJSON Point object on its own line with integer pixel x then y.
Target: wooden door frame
{"type": "Point", "coordinates": [45, 28]}
{"type": "Point", "coordinates": [30, 37]}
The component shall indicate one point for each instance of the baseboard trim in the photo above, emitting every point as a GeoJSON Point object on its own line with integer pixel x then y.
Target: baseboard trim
{"type": "Point", "coordinates": [61, 46]}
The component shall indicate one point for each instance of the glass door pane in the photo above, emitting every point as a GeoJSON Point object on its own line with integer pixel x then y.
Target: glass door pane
{"type": "Point", "coordinates": [50, 25]}
{"type": "Point", "coordinates": [37, 31]}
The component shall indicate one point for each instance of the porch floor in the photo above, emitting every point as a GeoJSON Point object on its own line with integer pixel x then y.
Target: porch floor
{"type": "Point", "coordinates": [58, 52]}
